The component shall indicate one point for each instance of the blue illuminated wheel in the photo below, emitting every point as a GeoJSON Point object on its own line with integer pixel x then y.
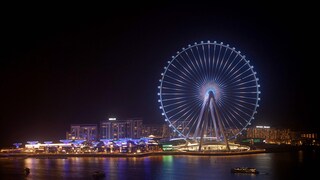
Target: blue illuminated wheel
{"type": "Point", "coordinates": [208, 89]}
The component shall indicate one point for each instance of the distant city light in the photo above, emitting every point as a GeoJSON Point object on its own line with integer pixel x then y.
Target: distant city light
{"type": "Point", "coordinates": [112, 119]}
{"type": "Point", "coordinates": [266, 127]}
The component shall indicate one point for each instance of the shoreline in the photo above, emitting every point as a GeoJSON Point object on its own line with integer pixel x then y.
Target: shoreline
{"type": "Point", "coordinates": [64, 156]}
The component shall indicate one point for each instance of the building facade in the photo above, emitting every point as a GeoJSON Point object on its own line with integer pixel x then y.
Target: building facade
{"type": "Point", "coordinates": [116, 129]}
{"type": "Point", "coordinates": [88, 132]}
{"type": "Point", "coordinates": [271, 135]}
{"type": "Point", "coordinates": [155, 130]}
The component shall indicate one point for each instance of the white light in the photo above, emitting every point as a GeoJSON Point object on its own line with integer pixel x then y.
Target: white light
{"type": "Point", "coordinates": [112, 119]}
{"type": "Point", "coordinates": [264, 127]}
{"type": "Point", "coordinates": [227, 45]}
{"type": "Point", "coordinates": [159, 100]}
{"type": "Point", "coordinates": [189, 45]}
{"type": "Point", "coordinates": [172, 57]}
{"type": "Point", "coordinates": [160, 107]}
{"type": "Point", "coordinates": [178, 52]}
{"type": "Point", "coordinates": [159, 94]}
{"type": "Point", "coordinates": [208, 41]}
{"type": "Point", "coordinates": [159, 80]}
{"type": "Point", "coordinates": [201, 42]}
{"type": "Point", "coordinates": [221, 43]}
{"type": "Point", "coordinates": [195, 43]}
{"type": "Point", "coordinates": [162, 114]}
{"type": "Point", "coordinates": [183, 48]}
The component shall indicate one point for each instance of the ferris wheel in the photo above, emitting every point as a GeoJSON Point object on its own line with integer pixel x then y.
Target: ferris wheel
{"type": "Point", "coordinates": [208, 89]}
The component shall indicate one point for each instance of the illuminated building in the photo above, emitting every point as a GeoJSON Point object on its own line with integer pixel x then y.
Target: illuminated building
{"type": "Point", "coordinates": [271, 135]}
{"type": "Point", "coordinates": [156, 130]}
{"type": "Point", "coordinates": [88, 132]}
{"type": "Point", "coordinates": [116, 129]}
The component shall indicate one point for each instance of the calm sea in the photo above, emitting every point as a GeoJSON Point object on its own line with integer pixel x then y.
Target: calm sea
{"type": "Point", "coordinates": [284, 165]}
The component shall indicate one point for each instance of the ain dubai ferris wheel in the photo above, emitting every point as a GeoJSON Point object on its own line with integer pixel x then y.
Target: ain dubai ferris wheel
{"type": "Point", "coordinates": [208, 92]}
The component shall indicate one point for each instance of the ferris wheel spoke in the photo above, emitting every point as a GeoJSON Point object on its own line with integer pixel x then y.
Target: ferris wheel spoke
{"type": "Point", "coordinates": [219, 76]}
{"type": "Point", "coordinates": [239, 107]}
{"type": "Point", "coordinates": [177, 102]}
{"type": "Point", "coordinates": [185, 77]}
{"type": "Point", "coordinates": [211, 70]}
{"type": "Point", "coordinates": [209, 61]}
{"type": "Point", "coordinates": [174, 89]}
{"type": "Point", "coordinates": [241, 83]}
{"type": "Point", "coordinates": [192, 120]}
{"type": "Point", "coordinates": [232, 70]}
{"type": "Point", "coordinates": [194, 67]}
{"type": "Point", "coordinates": [173, 84]}
{"type": "Point", "coordinates": [178, 114]}
{"type": "Point", "coordinates": [204, 58]}
{"type": "Point", "coordinates": [232, 77]}
{"type": "Point", "coordinates": [172, 99]}
{"type": "Point", "coordinates": [182, 109]}
{"type": "Point", "coordinates": [193, 72]}
{"type": "Point", "coordinates": [242, 101]}
{"type": "Point", "coordinates": [236, 75]}
{"type": "Point", "coordinates": [221, 63]}
{"type": "Point", "coordinates": [200, 69]}
{"type": "Point", "coordinates": [189, 75]}
{"type": "Point", "coordinates": [233, 122]}
{"type": "Point", "coordinates": [247, 103]}
{"type": "Point", "coordinates": [217, 61]}
{"type": "Point", "coordinates": [226, 71]}
{"type": "Point", "coordinates": [235, 110]}
{"type": "Point", "coordinates": [202, 63]}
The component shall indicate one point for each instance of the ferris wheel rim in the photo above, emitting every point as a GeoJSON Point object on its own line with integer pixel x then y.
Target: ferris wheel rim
{"type": "Point", "coordinates": [170, 63]}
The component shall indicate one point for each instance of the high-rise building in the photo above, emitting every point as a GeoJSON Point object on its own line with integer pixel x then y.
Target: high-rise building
{"type": "Point", "coordinates": [116, 129]}
{"type": "Point", "coordinates": [88, 132]}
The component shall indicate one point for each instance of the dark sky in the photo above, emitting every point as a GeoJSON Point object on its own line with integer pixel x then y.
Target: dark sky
{"type": "Point", "coordinates": [61, 66]}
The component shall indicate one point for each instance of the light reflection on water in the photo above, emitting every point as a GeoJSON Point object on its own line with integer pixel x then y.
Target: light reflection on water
{"type": "Point", "coordinates": [271, 166]}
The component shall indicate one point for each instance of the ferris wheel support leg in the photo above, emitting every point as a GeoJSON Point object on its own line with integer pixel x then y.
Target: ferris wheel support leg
{"type": "Point", "coordinates": [196, 134]}
{"type": "Point", "coordinates": [219, 122]}
{"type": "Point", "coordinates": [214, 121]}
{"type": "Point", "coordinates": [204, 126]}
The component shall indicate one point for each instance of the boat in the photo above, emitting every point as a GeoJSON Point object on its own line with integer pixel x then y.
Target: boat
{"type": "Point", "coordinates": [246, 170]}
{"type": "Point", "coordinates": [26, 171]}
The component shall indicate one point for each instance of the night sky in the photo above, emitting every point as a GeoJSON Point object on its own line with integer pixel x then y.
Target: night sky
{"type": "Point", "coordinates": [62, 66]}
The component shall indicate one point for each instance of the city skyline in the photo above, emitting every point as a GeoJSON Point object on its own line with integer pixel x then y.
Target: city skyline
{"type": "Point", "coordinates": [69, 67]}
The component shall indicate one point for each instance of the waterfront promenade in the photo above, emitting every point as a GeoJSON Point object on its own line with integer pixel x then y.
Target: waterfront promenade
{"type": "Point", "coordinates": [157, 153]}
